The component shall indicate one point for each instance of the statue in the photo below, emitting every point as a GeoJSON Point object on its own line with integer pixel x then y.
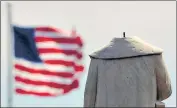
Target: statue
{"type": "Point", "coordinates": [127, 73]}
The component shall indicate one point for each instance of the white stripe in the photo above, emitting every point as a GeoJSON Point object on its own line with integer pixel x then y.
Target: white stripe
{"type": "Point", "coordinates": [39, 89]}
{"type": "Point", "coordinates": [34, 65]}
{"type": "Point", "coordinates": [79, 62]}
{"type": "Point", "coordinates": [78, 75]}
{"type": "Point", "coordinates": [54, 56]}
{"type": "Point", "coordinates": [44, 78]}
{"type": "Point", "coordinates": [64, 46]}
{"type": "Point", "coordinates": [51, 34]}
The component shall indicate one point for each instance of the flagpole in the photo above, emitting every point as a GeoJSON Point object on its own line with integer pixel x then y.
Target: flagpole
{"type": "Point", "coordinates": [9, 57]}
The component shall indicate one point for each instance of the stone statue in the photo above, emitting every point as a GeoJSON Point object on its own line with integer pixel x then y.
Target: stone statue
{"type": "Point", "coordinates": [127, 73]}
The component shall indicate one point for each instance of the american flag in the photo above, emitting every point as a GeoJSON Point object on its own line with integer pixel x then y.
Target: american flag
{"type": "Point", "coordinates": [47, 61]}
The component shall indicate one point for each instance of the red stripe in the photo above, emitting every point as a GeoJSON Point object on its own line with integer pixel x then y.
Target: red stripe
{"type": "Point", "coordinates": [67, 89]}
{"type": "Point", "coordinates": [79, 68]}
{"type": "Point", "coordinates": [48, 29]}
{"type": "Point", "coordinates": [21, 91]}
{"type": "Point", "coordinates": [44, 72]}
{"type": "Point", "coordinates": [69, 40]}
{"type": "Point", "coordinates": [62, 62]}
{"type": "Point", "coordinates": [75, 84]}
{"type": "Point", "coordinates": [54, 50]}
{"type": "Point", "coordinates": [50, 84]}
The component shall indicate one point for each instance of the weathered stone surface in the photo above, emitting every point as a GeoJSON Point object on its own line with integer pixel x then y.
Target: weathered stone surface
{"type": "Point", "coordinates": [126, 47]}
{"type": "Point", "coordinates": [129, 82]}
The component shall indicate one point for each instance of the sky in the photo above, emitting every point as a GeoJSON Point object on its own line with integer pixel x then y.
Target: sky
{"type": "Point", "coordinates": [98, 22]}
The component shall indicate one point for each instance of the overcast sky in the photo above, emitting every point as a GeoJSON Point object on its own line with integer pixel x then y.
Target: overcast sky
{"type": "Point", "coordinates": [98, 22]}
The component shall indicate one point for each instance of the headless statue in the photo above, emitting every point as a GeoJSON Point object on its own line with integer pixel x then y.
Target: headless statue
{"type": "Point", "coordinates": [127, 73]}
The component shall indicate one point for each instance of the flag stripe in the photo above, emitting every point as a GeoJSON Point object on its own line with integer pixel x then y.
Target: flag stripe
{"type": "Point", "coordinates": [65, 46]}
{"type": "Point", "coordinates": [50, 34]}
{"type": "Point", "coordinates": [22, 91]}
{"type": "Point", "coordinates": [44, 78]}
{"type": "Point", "coordinates": [38, 89]}
{"type": "Point", "coordinates": [74, 85]}
{"type": "Point", "coordinates": [58, 40]}
{"type": "Point", "coordinates": [44, 72]}
{"type": "Point", "coordinates": [40, 66]}
{"type": "Point", "coordinates": [55, 35]}
{"type": "Point", "coordinates": [65, 63]}
{"type": "Point", "coordinates": [61, 62]}
{"type": "Point", "coordinates": [53, 50]}
{"type": "Point", "coordinates": [79, 68]}
{"type": "Point", "coordinates": [48, 29]}
{"type": "Point", "coordinates": [56, 56]}
{"type": "Point", "coordinates": [32, 82]}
